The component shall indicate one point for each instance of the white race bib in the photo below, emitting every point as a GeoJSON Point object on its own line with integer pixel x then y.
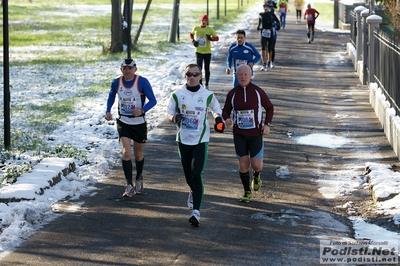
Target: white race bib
{"type": "Point", "coordinates": [127, 105]}
{"type": "Point", "coordinates": [190, 121]}
{"type": "Point", "coordinates": [266, 33]}
{"type": "Point", "coordinates": [239, 62]}
{"type": "Point", "coordinates": [245, 119]}
{"type": "Point", "coordinates": [202, 41]}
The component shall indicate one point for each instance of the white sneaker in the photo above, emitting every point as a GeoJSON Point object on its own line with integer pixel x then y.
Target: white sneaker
{"type": "Point", "coordinates": [264, 68]}
{"type": "Point", "coordinates": [190, 200]}
{"type": "Point", "coordinates": [272, 65]}
{"type": "Point", "coordinates": [129, 191]}
{"type": "Point", "coordinates": [195, 218]}
{"type": "Point", "coordinates": [139, 185]}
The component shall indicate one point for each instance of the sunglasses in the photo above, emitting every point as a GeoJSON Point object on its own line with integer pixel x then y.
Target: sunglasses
{"type": "Point", "coordinates": [189, 74]}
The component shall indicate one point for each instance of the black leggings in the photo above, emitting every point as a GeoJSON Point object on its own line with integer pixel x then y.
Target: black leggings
{"type": "Point", "coordinates": [207, 61]}
{"type": "Point", "coordinates": [193, 159]}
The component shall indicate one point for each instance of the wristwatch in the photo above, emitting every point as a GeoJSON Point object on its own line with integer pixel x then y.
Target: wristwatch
{"type": "Point", "coordinates": [269, 124]}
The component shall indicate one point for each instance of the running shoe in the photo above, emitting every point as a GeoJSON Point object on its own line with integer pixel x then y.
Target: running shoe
{"type": "Point", "coordinates": [264, 67]}
{"type": "Point", "coordinates": [256, 183]}
{"type": "Point", "coordinates": [272, 65]}
{"type": "Point", "coordinates": [139, 185]}
{"type": "Point", "coordinates": [190, 200]}
{"type": "Point", "coordinates": [195, 218]}
{"type": "Point", "coordinates": [129, 191]}
{"type": "Point", "coordinates": [246, 197]}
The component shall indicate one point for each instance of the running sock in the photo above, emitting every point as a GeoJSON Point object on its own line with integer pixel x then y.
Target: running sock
{"type": "Point", "coordinates": [127, 167]}
{"type": "Point", "coordinates": [245, 180]}
{"type": "Point", "coordinates": [139, 168]}
{"type": "Point", "coordinates": [308, 35]}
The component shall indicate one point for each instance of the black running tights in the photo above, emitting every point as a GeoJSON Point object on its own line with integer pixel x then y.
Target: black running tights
{"type": "Point", "coordinates": [193, 159]}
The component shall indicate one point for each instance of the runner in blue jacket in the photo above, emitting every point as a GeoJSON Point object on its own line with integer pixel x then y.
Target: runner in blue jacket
{"type": "Point", "coordinates": [239, 53]}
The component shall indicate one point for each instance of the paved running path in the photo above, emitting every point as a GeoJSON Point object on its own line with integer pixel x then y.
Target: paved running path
{"type": "Point", "coordinates": [315, 90]}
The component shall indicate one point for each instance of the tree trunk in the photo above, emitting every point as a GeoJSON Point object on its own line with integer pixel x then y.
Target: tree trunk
{"type": "Point", "coordinates": [142, 22]}
{"type": "Point", "coordinates": [116, 27]}
{"type": "Point", "coordinates": [126, 29]}
{"type": "Point", "coordinates": [174, 22]}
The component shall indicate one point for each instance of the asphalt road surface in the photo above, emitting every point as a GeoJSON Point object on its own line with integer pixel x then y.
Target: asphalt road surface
{"type": "Point", "coordinates": [314, 90]}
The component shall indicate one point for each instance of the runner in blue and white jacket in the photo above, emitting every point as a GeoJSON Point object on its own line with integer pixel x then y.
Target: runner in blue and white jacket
{"type": "Point", "coordinates": [239, 53]}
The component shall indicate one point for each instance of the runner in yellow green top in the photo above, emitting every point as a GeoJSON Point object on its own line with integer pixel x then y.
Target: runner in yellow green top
{"type": "Point", "coordinates": [298, 4]}
{"type": "Point", "coordinates": [202, 36]}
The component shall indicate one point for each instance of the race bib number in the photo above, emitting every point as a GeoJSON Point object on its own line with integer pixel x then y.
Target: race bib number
{"type": "Point", "coordinates": [202, 41]}
{"type": "Point", "coordinates": [298, 5]}
{"type": "Point", "coordinates": [245, 119]}
{"type": "Point", "coordinates": [266, 33]}
{"type": "Point", "coordinates": [310, 17]}
{"type": "Point", "coordinates": [190, 121]}
{"type": "Point", "coordinates": [239, 62]}
{"type": "Point", "coordinates": [283, 10]}
{"type": "Point", "coordinates": [127, 105]}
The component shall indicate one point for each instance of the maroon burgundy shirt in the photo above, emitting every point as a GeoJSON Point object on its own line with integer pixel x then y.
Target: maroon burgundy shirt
{"type": "Point", "coordinates": [251, 100]}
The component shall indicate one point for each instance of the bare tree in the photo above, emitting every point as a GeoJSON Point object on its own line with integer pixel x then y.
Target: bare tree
{"type": "Point", "coordinates": [393, 8]}
{"type": "Point", "coordinates": [142, 22]}
{"type": "Point", "coordinates": [121, 25]}
{"type": "Point", "coordinates": [116, 27]}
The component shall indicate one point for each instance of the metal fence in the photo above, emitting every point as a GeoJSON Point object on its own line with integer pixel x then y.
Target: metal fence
{"type": "Point", "coordinates": [353, 27]}
{"type": "Point", "coordinates": [387, 66]}
{"type": "Point", "coordinates": [385, 56]}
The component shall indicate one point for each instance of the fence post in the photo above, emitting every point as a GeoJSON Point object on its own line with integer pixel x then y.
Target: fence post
{"type": "Point", "coordinates": [373, 22]}
{"type": "Point", "coordinates": [335, 14]}
{"type": "Point", "coordinates": [365, 56]}
{"type": "Point", "coordinates": [359, 33]}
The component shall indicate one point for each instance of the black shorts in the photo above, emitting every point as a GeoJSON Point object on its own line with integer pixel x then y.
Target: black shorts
{"type": "Point", "coordinates": [267, 43]}
{"type": "Point", "coordinates": [245, 145]}
{"type": "Point", "coordinates": [137, 133]}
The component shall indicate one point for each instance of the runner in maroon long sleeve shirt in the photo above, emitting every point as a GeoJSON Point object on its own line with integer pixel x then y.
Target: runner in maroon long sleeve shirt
{"type": "Point", "coordinates": [247, 101]}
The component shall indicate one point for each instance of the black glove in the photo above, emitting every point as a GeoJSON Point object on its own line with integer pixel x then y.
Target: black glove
{"type": "Point", "coordinates": [209, 37]}
{"type": "Point", "coordinates": [219, 125]}
{"type": "Point", "coordinates": [177, 117]}
{"type": "Point", "coordinates": [195, 43]}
